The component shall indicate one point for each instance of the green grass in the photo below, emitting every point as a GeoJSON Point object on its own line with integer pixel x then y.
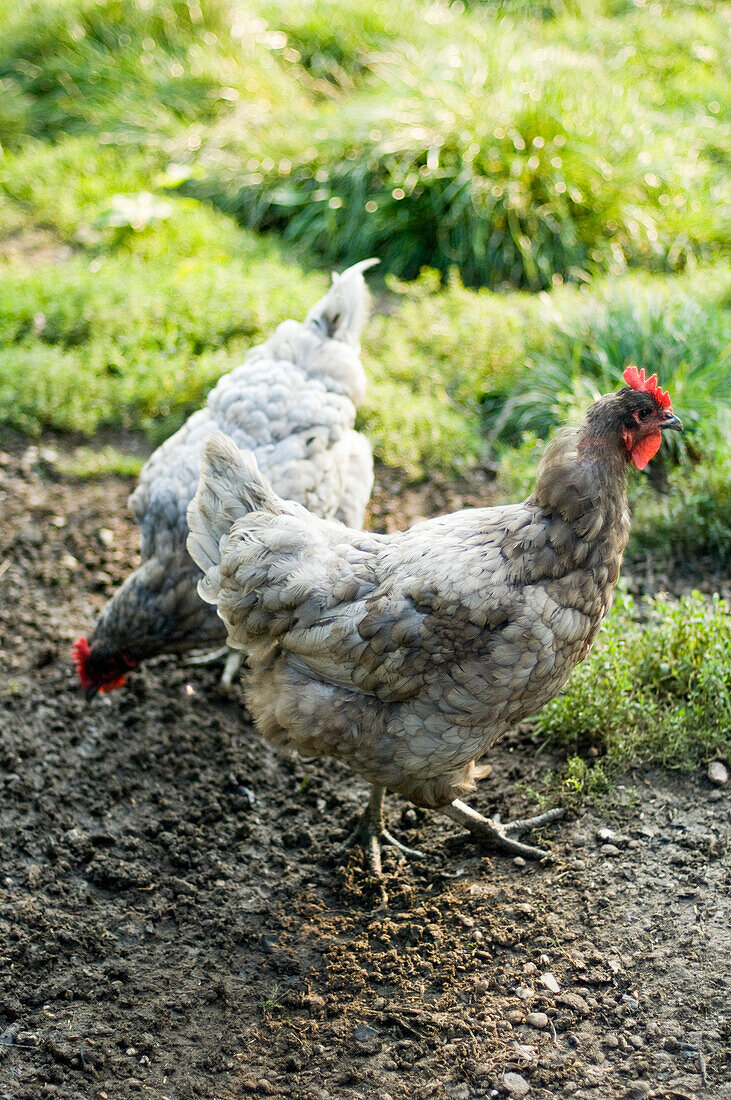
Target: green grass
{"type": "Point", "coordinates": [655, 689]}
{"type": "Point", "coordinates": [587, 152]}
{"type": "Point", "coordinates": [94, 462]}
{"type": "Point", "coordinates": [130, 69]}
{"type": "Point", "coordinates": [158, 299]}
{"type": "Point", "coordinates": [148, 326]}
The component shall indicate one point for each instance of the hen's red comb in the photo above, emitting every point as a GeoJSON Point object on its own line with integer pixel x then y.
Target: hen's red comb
{"type": "Point", "coordinates": [636, 379]}
{"type": "Point", "coordinates": [80, 651]}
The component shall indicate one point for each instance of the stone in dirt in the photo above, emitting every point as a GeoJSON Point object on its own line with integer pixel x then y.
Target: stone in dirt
{"type": "Point", "coordinates": [550, 982]}
{"type": "Point", "coordinates": [573, 1000]}
{"type": "Point", "coordinates": [718, 773]}
{"type": "Point", "coordinates": [516, 1084]}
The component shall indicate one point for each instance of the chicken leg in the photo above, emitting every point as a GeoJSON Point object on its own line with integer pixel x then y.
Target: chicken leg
{"type": "Point", "coordinates": [498, 833]}
{"type": "Point", "coordinates": [234, 660]}
{"type": "Point", "coordinates": [371, 833]}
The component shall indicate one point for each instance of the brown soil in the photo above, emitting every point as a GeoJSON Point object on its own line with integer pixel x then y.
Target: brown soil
{"type": "Point", "coordinates": [170, 925]}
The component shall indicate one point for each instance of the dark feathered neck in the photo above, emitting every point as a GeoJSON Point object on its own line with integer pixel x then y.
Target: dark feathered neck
{"type": "Point", "coordinates": [583, 480]}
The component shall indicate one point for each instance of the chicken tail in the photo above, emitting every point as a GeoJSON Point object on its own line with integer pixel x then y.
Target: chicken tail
{"type": "Point", "coordinates": [341, 314]}
{"type": "Point", "coordinates": [231, 486]}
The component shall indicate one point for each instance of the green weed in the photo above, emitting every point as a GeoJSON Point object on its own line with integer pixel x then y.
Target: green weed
{"type": "Point", "coordinates": [655, 689]}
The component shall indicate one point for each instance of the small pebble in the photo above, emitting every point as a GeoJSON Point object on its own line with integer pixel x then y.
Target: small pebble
{"type": "Point", "coordinates": [718, 773]}
{"type": "Point", "coordinates": [519, 862]}
{"type": "Point", "coordinates": [550, 982]}
{"type": "Point", "coordinates": [573, 1000]}
{"type": "Point", "coordinates": [638, 1090]}
{"type": "Point", "coordinates": [538, 1020]}
{"type": "Point", "coordinates": [516, 1084]}
{"type": "Point", "coordinates": [365, 1034]}
{"type": "Point", "coordinates": [609, 850]}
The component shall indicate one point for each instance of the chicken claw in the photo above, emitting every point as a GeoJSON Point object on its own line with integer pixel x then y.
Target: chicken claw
{"type": "Point", "coordinates": [498, 833]}
{"type": "Point", "coordinates": [371, 833]}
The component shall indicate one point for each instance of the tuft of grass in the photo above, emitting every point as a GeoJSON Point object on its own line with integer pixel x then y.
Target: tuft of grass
{"type": "Point", "coordinates": [680, 329]}
{"type": "Point", "coordinates": [655, 689]}
{"type": "Point", "coordinates": [577, 783]}
{"type": "Point", "coordinates": [565, 162]}
{"type": "Point", "coordinates": [92, 462]}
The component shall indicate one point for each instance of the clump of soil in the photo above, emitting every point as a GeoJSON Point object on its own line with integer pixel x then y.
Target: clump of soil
{"type": "Point", "coordinates": [171, 925]}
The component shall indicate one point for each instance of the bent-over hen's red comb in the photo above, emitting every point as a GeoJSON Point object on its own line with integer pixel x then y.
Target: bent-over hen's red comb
{"type": "Point", "coordinates": [636, 379]}
{"type": "Point", "coordinates": [80, 651]}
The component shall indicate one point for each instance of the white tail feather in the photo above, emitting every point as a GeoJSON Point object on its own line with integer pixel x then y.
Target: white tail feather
{"type": "Point", "coordinates": [343, 311]}
{"type": "Point", "coordinates": [230, 486]}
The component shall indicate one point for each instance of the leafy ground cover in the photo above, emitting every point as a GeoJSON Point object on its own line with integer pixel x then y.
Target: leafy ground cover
{"type": "Point", "coordinates": [655, 688]}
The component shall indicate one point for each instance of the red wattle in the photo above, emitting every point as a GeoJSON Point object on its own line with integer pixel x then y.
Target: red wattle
{"type": "Point", "coordinates": [643, 451]}
{"type": "Point", "coordinates": [112, 685]}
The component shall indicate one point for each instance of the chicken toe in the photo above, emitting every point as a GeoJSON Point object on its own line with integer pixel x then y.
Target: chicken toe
{"type": "Point", "coordinates": [501, 834]}
{"type": "Point", "coordinates": [209, 658]}
{"type": "Point", "coordinates": [370, 834]}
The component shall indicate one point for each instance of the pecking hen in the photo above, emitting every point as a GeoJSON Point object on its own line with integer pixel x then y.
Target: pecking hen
{"type": "Point", "coordinates": [292, 401]}
{"type": "Point", "coordinates": [407, 655]}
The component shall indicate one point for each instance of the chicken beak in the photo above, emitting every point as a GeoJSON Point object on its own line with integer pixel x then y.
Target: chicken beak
{"type": "Point", "coordinates": [674, 422]}
{"type": "Point", "coordinates": [91, 692]}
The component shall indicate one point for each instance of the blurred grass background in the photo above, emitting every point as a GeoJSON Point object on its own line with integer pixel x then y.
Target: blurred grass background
{"type": "Point", "coordinates": [545, 183]}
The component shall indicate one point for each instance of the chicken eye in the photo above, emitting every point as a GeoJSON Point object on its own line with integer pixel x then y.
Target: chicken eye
{"type": "Point", "coordinates": [644, 413]}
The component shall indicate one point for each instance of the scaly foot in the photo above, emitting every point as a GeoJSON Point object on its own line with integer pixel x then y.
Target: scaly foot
{"type": "Point", "coordinates": [370, 834]}
{"type": "Point", "coordinates": [502, 834]}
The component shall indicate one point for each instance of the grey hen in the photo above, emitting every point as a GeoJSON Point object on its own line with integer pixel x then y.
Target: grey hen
{"type": "Point", "coordinates": [408, 655]}
{"type": "Point", "coordinates": [293, 402]}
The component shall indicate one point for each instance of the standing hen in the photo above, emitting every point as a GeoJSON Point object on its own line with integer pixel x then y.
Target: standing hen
{"type": "Point", "coordinates": [292, 401]}
{"type": "Point", "coordinates": [407, 655]}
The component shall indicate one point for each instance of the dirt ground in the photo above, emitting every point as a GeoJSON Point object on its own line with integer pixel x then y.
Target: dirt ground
{"type": "Point", "coordinates": [171, 925]}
